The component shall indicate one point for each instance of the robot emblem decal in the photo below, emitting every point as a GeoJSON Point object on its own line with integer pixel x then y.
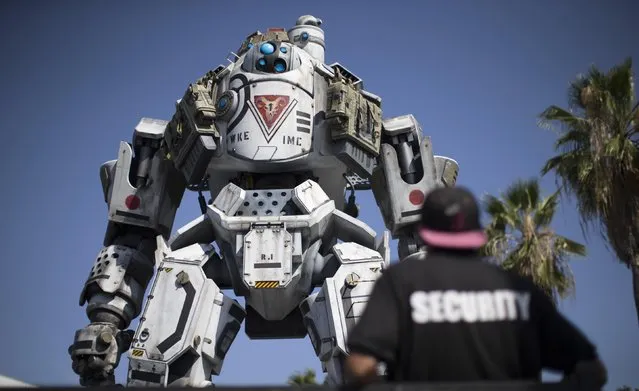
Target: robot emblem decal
{"type": "Point", "coordinates": [271, 111]}
{"type": "Point", "coordinates": [270, 107]}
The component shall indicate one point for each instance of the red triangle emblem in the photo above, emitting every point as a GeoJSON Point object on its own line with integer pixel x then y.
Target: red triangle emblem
{"type": "Point", "coordinates": [270, 107]}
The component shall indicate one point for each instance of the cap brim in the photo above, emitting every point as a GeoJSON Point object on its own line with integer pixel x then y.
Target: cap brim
{"type": "Point", "coordinates": [454, 240]}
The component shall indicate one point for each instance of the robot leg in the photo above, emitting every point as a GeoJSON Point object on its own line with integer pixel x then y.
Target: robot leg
{"type": "Point", "coordinates": [187, 326]}
{"type": "Point", "coordinates": [330, 313]}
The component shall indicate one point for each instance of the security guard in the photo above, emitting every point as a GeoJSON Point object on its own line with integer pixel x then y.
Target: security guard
{"type": "Point", "coordinates": [450, 317]}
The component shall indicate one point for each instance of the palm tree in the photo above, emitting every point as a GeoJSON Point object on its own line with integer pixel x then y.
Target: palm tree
{"type": "Point", "coordinates": [520, 238]}
{"type": "Point", "coordinates": [597, 162]}
{"type": "Point", "coordinates": [303, 378]}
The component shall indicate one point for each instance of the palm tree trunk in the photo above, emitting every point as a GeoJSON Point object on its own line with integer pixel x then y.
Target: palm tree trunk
{"type": "Point", "coordinates": [635, 283]}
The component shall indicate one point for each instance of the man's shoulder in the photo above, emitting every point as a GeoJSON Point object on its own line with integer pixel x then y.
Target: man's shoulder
{"type": "Point", "coordinates": [408, 263]}
{"type": "Point", "coordinates": [422, 264]}
{"type": "Point", "coordinates": [442, 262]}
{"type": "Point", "coordinates": [517, 279]}
{"type": "Point", "coordinates": [403, 268]}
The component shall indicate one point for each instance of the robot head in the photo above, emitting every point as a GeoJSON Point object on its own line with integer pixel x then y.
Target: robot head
{"type": "Point", "coordinates": [270, 56]}
{"type": "Point", "coordinates": [274, 52]}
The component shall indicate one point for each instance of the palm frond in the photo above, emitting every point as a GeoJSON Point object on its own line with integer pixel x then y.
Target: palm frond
{"type": "Point", "coordinates": [597, 161]}
{"type": "Point", "coordinates": [557, 115]}
{"type": "Point", "coordinates": [575, 139]}
{"type": "Point", "coordinates": [546, 211]}
{"type": "Point", "coordinates": [621, 84]}
{"type": "Point", "coordinates": [523, 194]}
{"type": "Point", "coordinates": [565, 245]}
{"type": "Point", "coordinates": [520, 238]}
{"type": "Point", "coordinates": [307, 377]}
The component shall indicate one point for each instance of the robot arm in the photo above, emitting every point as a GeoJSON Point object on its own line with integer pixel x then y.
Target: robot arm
{"type": "Point", "coordinates": [406, 171]}
{"type": "Point", "coordinates": [390, 154]}
{"type": "Point", "coordinates": [143, 190]}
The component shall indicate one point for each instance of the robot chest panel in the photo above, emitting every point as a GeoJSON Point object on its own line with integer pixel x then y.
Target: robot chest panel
{"type": "Point", "coordinates": [274, 122]}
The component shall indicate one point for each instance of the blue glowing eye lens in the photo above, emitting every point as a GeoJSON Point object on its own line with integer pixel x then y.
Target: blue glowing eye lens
{"type": "Point", "coordinates": [222, 102]}
{"type": "Point", "coordinates": [261, 61]}
{"type": "Point", "coordinates": [279, 67]}
{"type": "Point", "coordinates": [250, 45]}
{"type": "Point", "coordinates": [283, 49]}
{"type": "Point", "coordinates": [267, 48]}
{"type": "Point", "coordinates": [304, 36]}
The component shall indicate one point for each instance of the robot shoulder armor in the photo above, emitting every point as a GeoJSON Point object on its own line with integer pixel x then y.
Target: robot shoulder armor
{"type": "Point", "coordinates": [150, 128]}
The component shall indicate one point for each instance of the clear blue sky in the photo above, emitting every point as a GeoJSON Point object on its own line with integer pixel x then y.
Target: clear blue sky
{"type": "Point", "coordinates": [77, 76]}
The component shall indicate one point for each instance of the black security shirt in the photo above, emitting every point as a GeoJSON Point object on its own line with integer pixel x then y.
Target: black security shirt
{"type": "Point", "coordinates": [455, 318]}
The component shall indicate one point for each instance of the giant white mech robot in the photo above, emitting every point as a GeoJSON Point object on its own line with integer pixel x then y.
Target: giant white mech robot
{"type": "Point", "coordinates": [277, 137]}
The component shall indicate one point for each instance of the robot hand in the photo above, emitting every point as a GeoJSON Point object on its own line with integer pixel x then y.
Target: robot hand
{"type": "Point", "coordinates": [96, 353]}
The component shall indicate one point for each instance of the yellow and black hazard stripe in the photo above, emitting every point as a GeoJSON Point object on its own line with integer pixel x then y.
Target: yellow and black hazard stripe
{"type": "Point", "coordinates": [137, 353]}
{"type": "Point", "coordinates": [375, 269]}
{"type": "Point", "coordinates": [168, 269]}
{"type": "Point", "coordinates": [266, 284]}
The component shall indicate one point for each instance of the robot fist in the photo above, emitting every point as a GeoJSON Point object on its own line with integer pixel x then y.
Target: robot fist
{"type": "Point", "coordinates": [96, 353]}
